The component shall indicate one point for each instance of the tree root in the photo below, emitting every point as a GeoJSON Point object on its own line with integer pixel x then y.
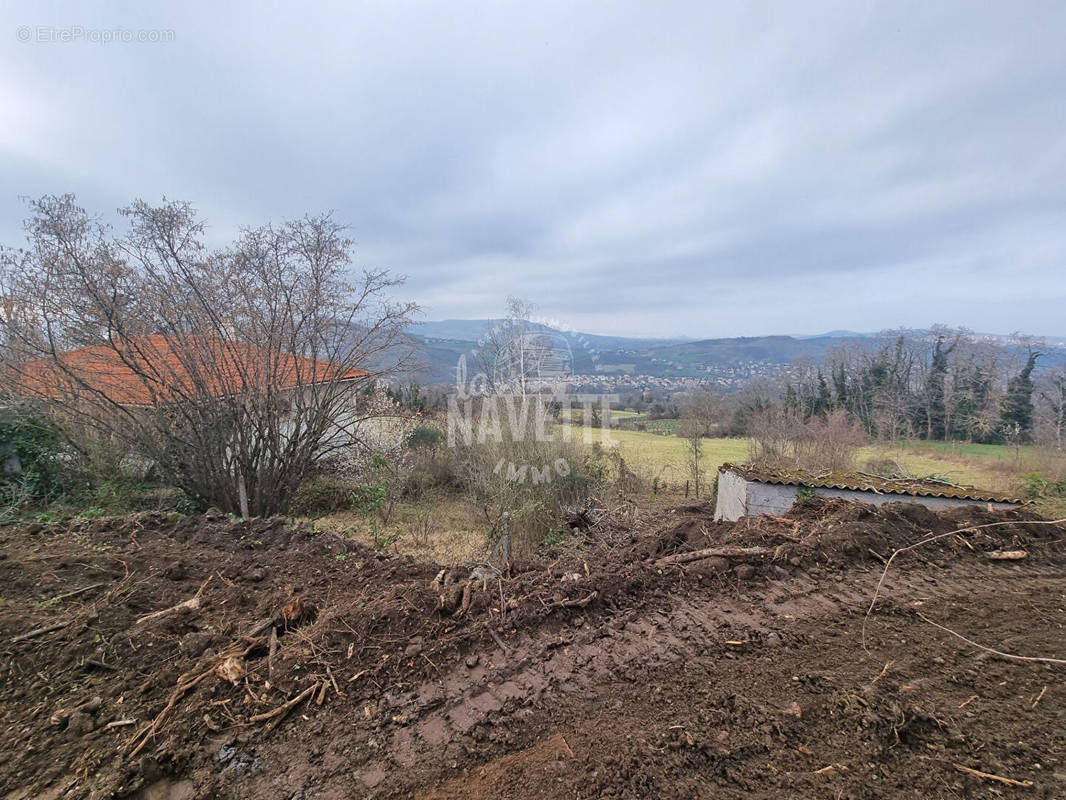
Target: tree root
{"type": "Point", "coordinates": [285, 708]}
{"type": "Point", "coordinates": [54, 626]}
{"type": "Point", "coordinates": [713, 552]}
{"type": "Point", "coordinates": [988, 776]}
{"type": "Point", "coordinates": [580, 603]}
{"type": "Point", "coordinates": [185, 683]}
{"type": "Point", "coordinates": [192, 604]}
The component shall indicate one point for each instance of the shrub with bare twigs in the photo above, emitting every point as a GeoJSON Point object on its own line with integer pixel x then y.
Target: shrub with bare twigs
{"type": "Point", "coordinates": [782, 438]}
{"type": "Point", "coordinates": [236, 370]}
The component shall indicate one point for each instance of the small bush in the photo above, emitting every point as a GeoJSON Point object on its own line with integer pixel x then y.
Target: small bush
{"type": "Point", "coordinates": [1038, 485]}
{"type": "Point", "coordinates": [116, 494]}
{"type": "Point", "coordinates": [34, 458]}
{"type": "Point", "coordinates": [425, 437]}
{"type": "Point", "coordinates": [883, 467]}
{"type": "Point", "coordinates": [523, 486]}
{"type": "Point", "coordinates": [369, 498]}
{"type": "Point", "coordinates": [554, 539]}
{"type": "Point", "coordinates": [183, 504]}
{"type": "Point", "coordinates": [320, 496]}
{"type": "Point", "coordinates": [431, 471]}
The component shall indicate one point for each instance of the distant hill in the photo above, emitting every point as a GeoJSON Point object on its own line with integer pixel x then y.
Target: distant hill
{"type": "Point", "coordinates": [463, 330]}
{"type": "Point", "coordinates": [841, 334]}
{"type": "Point", "coordinates": [778, 349]}
{"type": "Point", "coordinates": [441, 344]}
{"type": "Point", "coordinates": [470, 330]}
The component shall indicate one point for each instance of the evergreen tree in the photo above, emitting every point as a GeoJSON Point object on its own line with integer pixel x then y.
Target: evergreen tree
{"type": "Point", "coordinates": [840, 386]}
{"type": "Point", "coordinates": [933, 411]}
{"type": "Point", "coordinates": [1016, 411]}
{"type": "Point", "coordinates": [823, 403]}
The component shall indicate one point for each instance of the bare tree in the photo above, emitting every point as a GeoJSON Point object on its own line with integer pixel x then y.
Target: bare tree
{"type": "Point", "coordinates": [235, 370]}
{"type": "Point", "coordinates": [1051, 409]}
{"type": "Point", "coordinates": [701, 414]}
{"type": "Point", "coordinates": [517, 356]}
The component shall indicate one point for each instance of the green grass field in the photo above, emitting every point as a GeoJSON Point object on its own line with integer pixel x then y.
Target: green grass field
{"type": "Point", "coordinates": [992, 452]}
{"type": "Point", "coordinates": [920, 464]}
{"type": "Point", "coordinates": [661, 427]}
{"type": "Point", "coordinates": [988, 467]}
{"type": "Point", "coordinates": [664, 457]}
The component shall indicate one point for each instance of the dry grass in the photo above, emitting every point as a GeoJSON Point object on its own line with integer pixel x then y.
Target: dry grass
{"type": "Point", "coordinates": [445, 529]}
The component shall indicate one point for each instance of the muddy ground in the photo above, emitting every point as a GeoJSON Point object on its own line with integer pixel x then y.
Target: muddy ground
{"type": "Point", "coordinates": [162, 657]}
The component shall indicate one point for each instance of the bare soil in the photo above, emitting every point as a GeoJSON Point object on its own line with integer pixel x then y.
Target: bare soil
{"type": "Point", "coordinates": [290, 664]}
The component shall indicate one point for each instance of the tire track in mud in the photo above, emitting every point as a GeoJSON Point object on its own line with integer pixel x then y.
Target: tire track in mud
{"type": "Point", "coordinates": [618, 680]}
{"type": "Point", "coordinates": [546, 667]}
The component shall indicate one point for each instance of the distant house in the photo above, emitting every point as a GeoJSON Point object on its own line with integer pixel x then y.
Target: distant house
{"type": "Point", "coordinates": [750, 491]}
{"type": "Point", "coordinates": [145, 372]}
{"type": "Point", "coordinates": [157, 370]}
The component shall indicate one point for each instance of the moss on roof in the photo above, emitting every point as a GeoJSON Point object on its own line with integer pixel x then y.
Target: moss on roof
{"type": "Point", "coordinates": [864, 482]}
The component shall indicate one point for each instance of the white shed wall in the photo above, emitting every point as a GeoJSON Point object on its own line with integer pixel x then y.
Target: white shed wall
{"type": "Point", "coordinates": [769, 498]}
{"type": "Point", "coordinates": [732, 497]}
{"type": "Point", "coordinates": [932, 503]}
{"type": "Point", "coordinates": [738, 497]}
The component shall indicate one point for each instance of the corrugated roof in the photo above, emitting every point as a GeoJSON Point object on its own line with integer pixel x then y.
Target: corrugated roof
{"type": "Point", "coordinates": [860, 482]}
{"type": "Point", "coordinates": [146, 370]}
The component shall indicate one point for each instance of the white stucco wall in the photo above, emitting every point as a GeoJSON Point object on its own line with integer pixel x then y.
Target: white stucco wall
{"type": "Point", "coordinates": [732, 497]}
{"type": "Point", "coordinates": [744, 498]}
{"type": "Point", "coordinates": [768, 498]}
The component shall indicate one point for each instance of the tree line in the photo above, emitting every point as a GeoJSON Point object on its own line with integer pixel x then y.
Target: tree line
{"type": "Point", "coordinates": [943, 384]}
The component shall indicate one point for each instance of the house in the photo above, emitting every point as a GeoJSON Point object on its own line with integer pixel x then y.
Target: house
{"type": "Point", "coordinates": [750, 491]}
{"type": "Point", "coordinates": [140, 373]}
{"type": "Point", "coordinates": [202, 385]}
{"type": "Point", "coordinates": [157, 370]}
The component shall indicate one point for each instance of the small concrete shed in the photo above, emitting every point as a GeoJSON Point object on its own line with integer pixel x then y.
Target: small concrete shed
{"type": "Point", "coordinates": [750, 491]}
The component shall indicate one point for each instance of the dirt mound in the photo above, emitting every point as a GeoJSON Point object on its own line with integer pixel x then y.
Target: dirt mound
{"type": "Point", "coordinates": [169, 656]}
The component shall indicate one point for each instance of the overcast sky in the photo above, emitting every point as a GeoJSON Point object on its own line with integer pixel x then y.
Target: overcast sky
{"type": "Point", "coordinates": [699, 169]}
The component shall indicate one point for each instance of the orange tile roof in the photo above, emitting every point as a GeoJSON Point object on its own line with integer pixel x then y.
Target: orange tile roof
{"type": "Point", "coordinates": [146, 370]}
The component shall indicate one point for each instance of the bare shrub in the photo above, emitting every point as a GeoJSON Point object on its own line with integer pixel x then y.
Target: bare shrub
{"type": "Point", "coordinates": [832, 442]}
{"type": "Point", "coordinates": [783, 439]}
{"type": "Point", "coordinates": [883, 467]}
{"type": "Point", "coordinates": [702, 414]}
{"type": "Point", "coordinates": [773, 434]}
{"type": "Point", "coordinates": [615, 473]}
{"type": "Point", "coordinates": [522, 480]}
{"type": "Point", "coordinates": [234, 370]}
{"type": "Point", "coordinates": [423, 529]}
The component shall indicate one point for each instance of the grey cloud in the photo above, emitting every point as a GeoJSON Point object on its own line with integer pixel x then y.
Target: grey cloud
{"type": "Point", "coordinates": [658, 169]}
